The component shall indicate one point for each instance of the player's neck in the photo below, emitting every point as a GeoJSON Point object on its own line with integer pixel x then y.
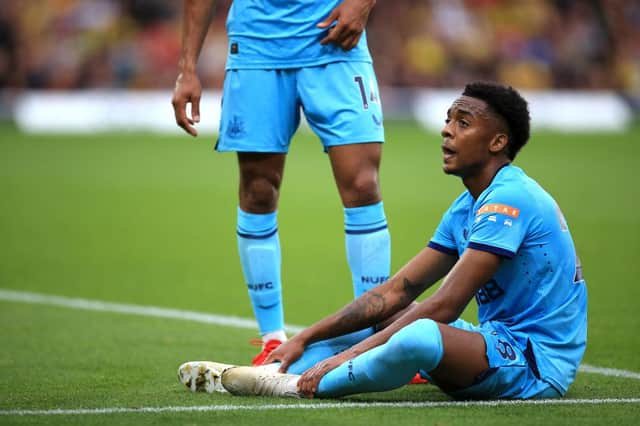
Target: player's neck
{"type": "Point", "coordinates": [481, 180]}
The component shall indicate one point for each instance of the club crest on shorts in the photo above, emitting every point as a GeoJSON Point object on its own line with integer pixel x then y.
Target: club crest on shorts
{"type": "Point", "coordinates": [235, 127]}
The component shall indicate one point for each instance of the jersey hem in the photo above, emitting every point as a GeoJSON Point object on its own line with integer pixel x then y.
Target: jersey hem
{"type": "Point", "coordinates": [491, 249]}
{"type": "Point", "coordinates": [443, 249]}
{"type": "Point", "coordinates": [340, 142]}
{"type": "Point", "coordinates": [250, 149]}
{"type": "Point", "coordinates": [298, 64]}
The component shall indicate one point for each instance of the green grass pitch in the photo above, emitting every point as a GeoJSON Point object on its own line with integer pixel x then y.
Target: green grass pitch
{"type": "Point", "coordinates": [150, 220]}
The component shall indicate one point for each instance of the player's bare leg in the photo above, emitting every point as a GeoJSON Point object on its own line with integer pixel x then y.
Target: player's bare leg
{"type": "Point", "coordinates": [259, 243]}
{"type": "Point", "coordinates": [367, 238]}
{"type": "Point", "coordinates": [463, 361]}
{"type": "Point", "coordinates": [355, 169]}
{"type": "Point", "coordinates": [260, 180]}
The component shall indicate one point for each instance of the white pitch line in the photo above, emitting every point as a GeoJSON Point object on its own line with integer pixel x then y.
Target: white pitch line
{"type": "Point", "coordinates": [318, 406]}
{"type": "Point", "coordinates": [123, 308]}
{"type": "Point", "coordinates": [223, 320]}
{"type": "Point", "coordinates": [586, 368]}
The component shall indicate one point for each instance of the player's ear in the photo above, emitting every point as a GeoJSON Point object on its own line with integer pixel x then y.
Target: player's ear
{"type": "Point", "coordinates": [499, 143]}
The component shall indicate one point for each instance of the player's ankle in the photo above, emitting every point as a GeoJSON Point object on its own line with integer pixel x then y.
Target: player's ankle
{"type": "Point", "coordinates": [274, 335]}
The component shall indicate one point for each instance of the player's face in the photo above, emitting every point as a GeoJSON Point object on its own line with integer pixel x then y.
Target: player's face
{"type": "Point", "coordinates": [468, 131]}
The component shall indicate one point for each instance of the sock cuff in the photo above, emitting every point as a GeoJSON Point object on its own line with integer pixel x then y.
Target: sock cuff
{"type": "Point", "coordinates": [365, 219]}
{"type": "Point", "coordinates": [254, 225]}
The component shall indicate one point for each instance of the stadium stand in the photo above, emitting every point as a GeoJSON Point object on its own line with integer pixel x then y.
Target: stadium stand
{"type": "Point", "coordinates": [538, 44]}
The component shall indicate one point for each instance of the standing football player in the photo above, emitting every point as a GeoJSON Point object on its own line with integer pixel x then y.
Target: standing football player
{"type": "Point", "coordinates": [284, 57]}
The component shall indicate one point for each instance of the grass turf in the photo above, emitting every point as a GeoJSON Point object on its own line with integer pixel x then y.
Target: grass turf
{"type": "Point", "coordinates": [149, 219]}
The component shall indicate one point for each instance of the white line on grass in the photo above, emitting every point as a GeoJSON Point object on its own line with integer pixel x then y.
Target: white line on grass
{"type": "Point", "coordinates": [586, 368]}
{"type": "Point", "coordinates": [122, 308]}
{"type": "Point", "coordinates": [319, 406]}
{"type": "Point", "coordinates": [224, 320]}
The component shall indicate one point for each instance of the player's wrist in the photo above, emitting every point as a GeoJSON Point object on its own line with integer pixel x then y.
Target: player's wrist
{"type": "Point", "coordinates": [186, 66]}
{"type": "Point", "coordinates": [370, 3]}
{"type": "Point", "coordinates": [305, 337]}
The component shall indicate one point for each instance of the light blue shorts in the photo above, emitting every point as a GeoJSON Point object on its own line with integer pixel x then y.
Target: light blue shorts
{"type": "Point", "coordinates": [261, 108]}
{"type": "Point", "coordinates": [512, 373]}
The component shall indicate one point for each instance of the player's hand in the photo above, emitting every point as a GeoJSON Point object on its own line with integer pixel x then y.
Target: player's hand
{"type": "Point", "coordinates": [287, 353]}
{"type": "Point", "coordinates": [308, 383]}
{"type": "Point", "coordinates": [350, 18]}
{"type": "Point", "coordinates": [187, 90]}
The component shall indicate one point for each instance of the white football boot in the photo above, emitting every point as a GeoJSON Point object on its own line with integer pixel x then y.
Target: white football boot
{"type": "Point", "coordinates": [201, 376]}
{"type": "Point", "coordinates": [263, 381]}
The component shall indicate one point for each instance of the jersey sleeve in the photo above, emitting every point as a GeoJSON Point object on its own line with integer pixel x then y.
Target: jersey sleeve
{"type": "Point", "coordinates": [501, 223]}
{"type": "Point", "coordinates": [443, 239]}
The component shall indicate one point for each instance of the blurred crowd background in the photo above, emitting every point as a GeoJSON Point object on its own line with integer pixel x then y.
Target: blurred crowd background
{"type": "Point", "coordinates": [534, 44]}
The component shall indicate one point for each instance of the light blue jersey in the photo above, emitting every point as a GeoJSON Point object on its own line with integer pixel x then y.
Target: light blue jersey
{"type": "Point", "coordinates": [278, 34]}
{"type": "Point", "coordinates": [538, 296]}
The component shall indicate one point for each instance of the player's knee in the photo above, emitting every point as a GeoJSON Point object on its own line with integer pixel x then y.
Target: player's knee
{"type": "Point", "coordinates": [418, 340]}
{"type": "Point", "coordinates": [259, 195]}
{"type": "Point", "coordinates": [361, 190]}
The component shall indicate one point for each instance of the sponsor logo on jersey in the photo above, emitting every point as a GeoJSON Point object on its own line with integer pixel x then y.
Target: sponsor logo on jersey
{"type": "Point", "coordinates": [500, 209]}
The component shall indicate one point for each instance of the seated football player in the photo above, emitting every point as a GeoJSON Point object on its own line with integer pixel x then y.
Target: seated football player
{"type": "Point", "coordinates": [503, 241]}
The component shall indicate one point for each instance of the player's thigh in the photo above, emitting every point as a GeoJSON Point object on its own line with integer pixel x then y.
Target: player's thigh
{"type": "Point", "coordinates": [260, 111]}
{"type": "Point", "coordinates": [463, 358]}
{"type": "Point", "coordinates": [341, 102]}
{"type": "Point", "coordinates": [508, 371]}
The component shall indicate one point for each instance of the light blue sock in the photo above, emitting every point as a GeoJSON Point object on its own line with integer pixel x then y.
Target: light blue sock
{"type": "Point", "coordinates": [418, 346]}
{"type": "Point", "coordinates": [324, 349]}
{"type": "Point", "coordinates": [368, 246]}
{"type": "Point", "coordinates": [259, 248]}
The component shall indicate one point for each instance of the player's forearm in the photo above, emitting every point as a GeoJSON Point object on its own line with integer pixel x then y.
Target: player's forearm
{"type": "Point", "coordinates": [366, 311]}
{"type": "Point", "coordinates": [474, 269]}
{"type": "Point", "coordinates": [430, 308]}
{"type": "Point", "coordinates": [383, 301]}
{"type": "Point", "coordinates": [196, 20]}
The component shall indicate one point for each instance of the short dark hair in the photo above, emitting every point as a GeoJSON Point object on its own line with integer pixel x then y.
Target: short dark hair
{"type": "Point", "coordinates": [508, 104]}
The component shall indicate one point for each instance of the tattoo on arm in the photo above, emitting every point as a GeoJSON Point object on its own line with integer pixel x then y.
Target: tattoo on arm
{"type": "Point", "coordinates": [411, 290]}
{"type": "Point", "coordinates": [369, 307]}
{"type": "Point", "coordinates": [373, 306]}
